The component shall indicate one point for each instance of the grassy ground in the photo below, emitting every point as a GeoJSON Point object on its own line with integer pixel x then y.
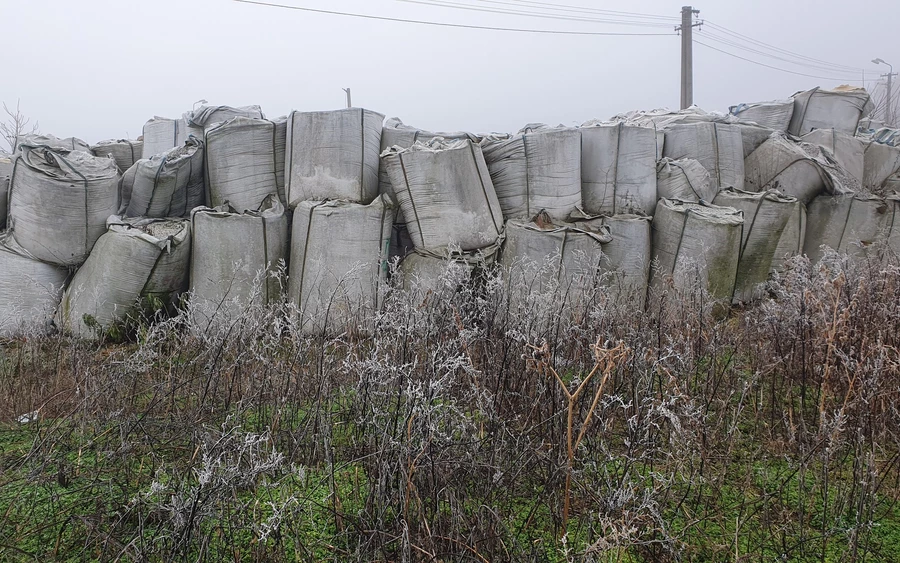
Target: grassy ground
{"type": "Point", "coordinates": [449, 435]}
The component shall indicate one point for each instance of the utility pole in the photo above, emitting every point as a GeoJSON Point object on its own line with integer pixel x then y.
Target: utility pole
{"type": "Point", "coordinates": [889, 109]}
{"type": "Point", "coordinates": [349, 103]}
{"type": "Point", "coordinates": [687, 54]}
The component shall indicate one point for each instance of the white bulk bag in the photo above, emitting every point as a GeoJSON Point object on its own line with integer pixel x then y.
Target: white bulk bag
{"type": "Point", "coordinates": [5, 172]}
{"type": "Point", "coordinates": [792, 238]}
{"type": "Point", "coordinates": [797, 169]}
{"type": "Point", "coordinates": [169, 184]}
{"type": "Point", "coordinates": [534, 170]}
{"type": "Point", "coordinates": [339, 253]}
{"type": "Point", "coordinates": [51, 142]}
{"type": "Point", "coordinates": [29, 289]}
{"type": "Point", "coordinates": [139, 265]}
{"type": "Point", "coordinates": [236, 260]}
{"type": "Point", "coordinates": [59, 202]}
{"type": "Point", "coordinates": [718, 147]}
{"type": "Point", "coordinates": [242, 163]}
{"type": "Point", "coordinates": [435, 276]}
{"type": "Point", "coordinates": [847, 150]}
{"type": "Point", "coordinates": [206, 116]}
{"type": "Point", "coordinates": [123, 151]}
{"type": "Point", "coordinates": [628, 256]}
{"type": "Point", "coordinates": [333, 155]}
{"type": "Point", "coordinates": [766, 215]}
{"type": "Point", "coordinates": [396, 134]}
{"type": "Point", "coordinates": [696, 241]}
{"type": "Point", "coordinates": [618, 169]}
{"type": "Point", "coordinates": [880, 163]}
{"type": "Point", "coordinates": [840, 109]}
{"type": "Point", "coordinates": [773, 115]}
{"type": "Point", "coordinates": [853, 224]}
{"type": "Point", "coordinates": [161, 134]}
{"type": "Point", "coordinates": [446, 194]}
{"type": "Point", "coordinates": [684, 179]}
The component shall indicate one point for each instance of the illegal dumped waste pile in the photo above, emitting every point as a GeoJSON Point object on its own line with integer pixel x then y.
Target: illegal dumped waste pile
{"type": "Point", "coordinates": [226, 211]}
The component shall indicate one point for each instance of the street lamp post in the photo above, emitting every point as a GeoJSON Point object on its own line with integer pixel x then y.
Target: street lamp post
{"type": "Point", "coordinates": [888, 112]}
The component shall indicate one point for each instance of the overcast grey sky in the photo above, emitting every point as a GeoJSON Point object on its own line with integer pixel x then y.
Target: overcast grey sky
{"type": "Point", "coordinates": [98, 69]}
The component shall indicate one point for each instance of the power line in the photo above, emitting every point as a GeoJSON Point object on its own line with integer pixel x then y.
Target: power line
{"type": "Point", "coordinates": [775, 67]}
{"type": "Point", "coordinates": [582, 10]}
{"type": "Point", "coordinates": [453, 25]}
{"type": "Point", "coordinates": [544, 15]}
{"type": "Point", "coordinates": [726, 41]}
{"type": "Point", "coordinates": [783, 51]}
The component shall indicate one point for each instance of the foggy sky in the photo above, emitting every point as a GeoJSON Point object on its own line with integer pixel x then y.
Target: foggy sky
{"type": "Point", "coordinates": [99, 69]}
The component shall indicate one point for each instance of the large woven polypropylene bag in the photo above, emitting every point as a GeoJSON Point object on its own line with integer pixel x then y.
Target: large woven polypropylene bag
{"type": "Point", "coordinates": [52, 142]}
{"type": "Point", "coordinates": [855, 224]}
{"type": "Point", "coordinates": [847, 150]}
{"type": "Point", "coordinates": [538, 169]}
{"type": "Point", "coordinates": [766, 216]}
{"type": "Point", "coordinates": [696, 242]}
{"type": "Point", "coordinates": [797, 169]}
{"type": "Point", "coordinates": [242, 162]}
{"type": "Point", "coordinates": [435, 277]}
{"type": "Point", "coordinates": [333, 155]}
{"type": "Point", "coordinates": [207, 116]}
{"type": "Point", "coordinates": [717, 146]}
{"type": "Point", "coordinates": [161, 134]}
{"type": "Point", "coordinates": [139, 266]}
{"type": "Point", "coordinates": [166, 185]}
{"type": "Point", "coordinates": [773, 115]}
{"type": "Point", "coordinates": [395, 134]}
{"type": "Point", "coordinates": [684, 179]}
{"type": "Point", "coordinates": [29, 289]}
{"type": "Point", "coordinates": [840, 109]}
{"type": "Point", "coordinates": [627, 256]}
{"type": "Point", "coordinates": [59, 202]}
{"type": "Point", "coordinates": [792, 237]}
{"type": "Point", "coordinates": [123, 151]}
{"type": "Point", "coordinates": [618, 169]}
{"type": "Point", "coordinates": [446, 194]}
{"type": "Point", "coordinates": [237, 260]}
{"type": "Point", "coordinates": [339, 263]}
{"type": "Point", "coordinates": [881, 163]}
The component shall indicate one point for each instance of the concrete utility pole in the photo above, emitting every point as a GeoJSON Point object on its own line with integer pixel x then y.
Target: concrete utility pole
{"type": "Point", "coordinates": [349, 103]}
{"type": "Point", "coordinates": [889, 110]}
{"type": "Point", "coordinates": [687, 54]}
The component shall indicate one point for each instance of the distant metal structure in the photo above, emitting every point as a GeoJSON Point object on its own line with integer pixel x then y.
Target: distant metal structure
{"type": "Point", "coordinates": [889, 110]}
{"type": "Point", "coordinates": [349, 103]}
{"type": "Point", "coordinates": [687, 54]}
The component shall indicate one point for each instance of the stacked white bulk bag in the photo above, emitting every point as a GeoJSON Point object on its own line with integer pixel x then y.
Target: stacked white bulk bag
{"type": "Point", "coordinates": [169, 184]}
{"type": "Point", "coordinates": [242, 163]}
{"type": "Point", "coordinates": [618, 169]}
{"type": "Point", "coordinates": [696, 241]}
{"type": "Point", "coordinates": [396, 134]}
{"type": "Point", "coordinates": [847, 150]}
{"type": "Point", "coordinates": [138, 266]}
{"type": "Point", "coordinates": [51, 142]}
{"type": "Point", "coordinates": [684, 179]}
{"type": "Point", "coordinates": [773, 115]}
{"type": "Point", "coordinates": [236, 260]}
{"type": "Point", "coordinates": [123, 151]}
{"type": "Point", "coordinates": [338, 262]}
{"type": "Point", "coordinates": [797, 169]}
{"type": "Point", "coordinates": [430, 276]}
{"type": "Point", "coordinates": [855, 224]}
{"type": "Point", "coordinates": [766, 215]}
{"type": "Point", "coordinates": [628, 255]}
{"type": "Point", "coordinates": [793, 237]}
{"type": "Point", "coordinates": [333, 155]}
{"type": "Point", "coordinates": [59, 202]}
{"type": "Point", "coordinates": [29, 289]}
{"type": "Point", "coordinates": [446, 194]}
{"type": "Point", "coordinates": [5, 172]}
{"type": "Point", "coordinates": [840, 109]}
{"type": "Point", "coordinates": [161, 134]}
{"type": "Point", "coordinates": [537, 169]}
{"type": "Point", "coordinates": [880, 164]}
{"type": "Point", "coordinates": [206, 116]}
{"type": "Point", "coordinates": [718, 147]}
